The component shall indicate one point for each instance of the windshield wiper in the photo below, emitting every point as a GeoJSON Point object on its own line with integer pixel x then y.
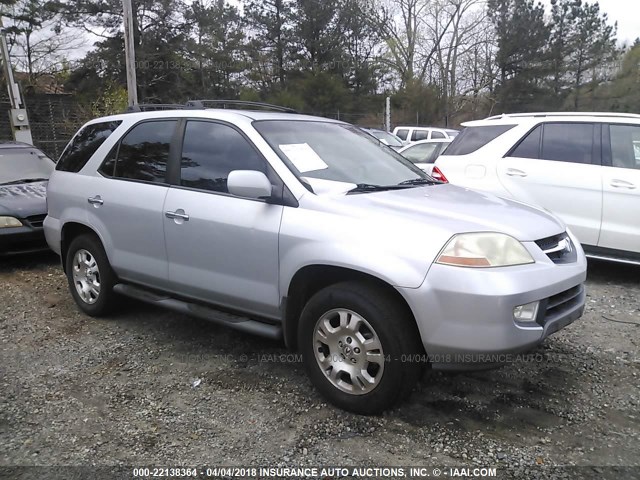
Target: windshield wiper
{"type": "Point", "coordinates": [421, 181]}
{"type": "Point", "coordinates": [368, 187]}
{"type": "Point", "coordinates": [25, 180]}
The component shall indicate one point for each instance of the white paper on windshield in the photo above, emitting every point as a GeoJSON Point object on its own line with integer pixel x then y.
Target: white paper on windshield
{"type": "Point", "coordinates": [303, 157]}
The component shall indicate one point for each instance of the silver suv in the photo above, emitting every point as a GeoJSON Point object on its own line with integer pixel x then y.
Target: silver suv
{"type": "Point", "coordinates": [306, 229]}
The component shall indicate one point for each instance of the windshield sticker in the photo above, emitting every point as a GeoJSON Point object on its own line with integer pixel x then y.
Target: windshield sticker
{"type": "Point", "coordinates": [303, 157]}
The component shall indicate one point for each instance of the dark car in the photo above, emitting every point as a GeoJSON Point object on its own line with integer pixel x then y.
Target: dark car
{"type": "Point", "coordinates": [24, 173]}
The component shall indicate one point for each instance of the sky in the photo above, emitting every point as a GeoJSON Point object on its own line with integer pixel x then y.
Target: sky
{"type": "Point", "coordinates": [625, 12]}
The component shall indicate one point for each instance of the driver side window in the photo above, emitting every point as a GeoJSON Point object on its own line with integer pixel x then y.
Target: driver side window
{"type": "Point", "coordinates": [211, 151]}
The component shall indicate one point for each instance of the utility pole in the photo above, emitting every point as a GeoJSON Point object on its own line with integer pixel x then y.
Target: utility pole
{"type": "Point", "coordinates": [130, 54]}
{"type": "Point", "coordinates": [17, 114]}
{"type": "Point", "coordinates": [387, 115]}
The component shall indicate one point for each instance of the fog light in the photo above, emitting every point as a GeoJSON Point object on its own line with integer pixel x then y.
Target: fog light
{"type": "Point", "coordinates": [526, 313]}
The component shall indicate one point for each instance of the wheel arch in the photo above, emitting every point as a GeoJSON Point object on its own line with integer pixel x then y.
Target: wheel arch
{"type": "Point", "coordinates": [312, 278]}
{"type": "Point", "coordinates": [71, 230]}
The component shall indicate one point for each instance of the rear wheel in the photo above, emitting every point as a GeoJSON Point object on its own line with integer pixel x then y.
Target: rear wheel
{"type": "Point", "coordinates": [90, 276]}
{"type": "Point", "coordinates": [356, 341]}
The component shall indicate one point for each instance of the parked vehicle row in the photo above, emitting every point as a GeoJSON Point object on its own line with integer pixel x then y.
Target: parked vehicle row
{"type": "Point", "coordinates": [308, 230]}
{"type": "Point", "coordinates": [584, 167]}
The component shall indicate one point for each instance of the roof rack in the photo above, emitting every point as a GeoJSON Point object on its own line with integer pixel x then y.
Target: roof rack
{"type": "Point", "coordinates": [236, 103]}
{"type": "Point", "coordinates": [152, 107]}
{"type": "Point", "coordinates": [202, 104]}
{"type": "Point", "coordinates": [564, 114]}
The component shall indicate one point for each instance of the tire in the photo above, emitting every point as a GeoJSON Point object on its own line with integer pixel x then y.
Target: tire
{"type": "Point", "coordinates": [97, 298]}
{"type": "Point", "coordinates": [359, 385]}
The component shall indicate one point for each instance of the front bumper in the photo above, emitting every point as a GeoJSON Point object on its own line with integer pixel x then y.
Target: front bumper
{"type": "Point", "coordinates": [465, 315]}
{"type": "Point", "coordinates": [25, 239]}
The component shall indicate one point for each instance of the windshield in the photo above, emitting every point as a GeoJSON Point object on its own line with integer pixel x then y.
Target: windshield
{"type": "Point", "coordinates": [391, 139]}
{"type": "Point", "coordinates": [17, 164]}
{"type": "Point", "coordinates": [336, 152]}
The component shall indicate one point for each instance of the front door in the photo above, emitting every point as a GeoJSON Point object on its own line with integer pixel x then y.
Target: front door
{"type": "Point", "coordinates": [221, 248]}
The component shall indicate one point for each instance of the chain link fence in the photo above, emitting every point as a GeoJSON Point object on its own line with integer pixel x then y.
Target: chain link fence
{"type": "Point", "coordinates": [53, 118]}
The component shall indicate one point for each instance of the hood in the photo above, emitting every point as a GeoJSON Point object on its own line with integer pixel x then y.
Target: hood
{"type": "Point", "coordinates": [23, 200]}
{"type": "Point", "coordinates": [457, 210]}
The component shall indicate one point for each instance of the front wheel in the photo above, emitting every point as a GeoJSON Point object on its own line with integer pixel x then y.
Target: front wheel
{"type": "Point", "coordinates": [90, 276]}
{"type": "Point", "coordinates": [354, 339]}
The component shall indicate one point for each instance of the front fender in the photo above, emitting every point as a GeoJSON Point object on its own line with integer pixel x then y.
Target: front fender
{"type": "Point", "coordinates": [392, 269]}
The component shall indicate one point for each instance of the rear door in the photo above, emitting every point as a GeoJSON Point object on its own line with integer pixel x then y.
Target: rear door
{"type": "Point", "coordinates": [557, 166]}
{"type": "Point", "coordinates": [125, 202]}
{"type": "Point", "coordinates": [621, 186]}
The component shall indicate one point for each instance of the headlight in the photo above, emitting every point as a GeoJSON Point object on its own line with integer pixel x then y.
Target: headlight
{"type": "Point", "coordinates": [484, 250]}
{"type": "Point", "coordinates": [9, 222]}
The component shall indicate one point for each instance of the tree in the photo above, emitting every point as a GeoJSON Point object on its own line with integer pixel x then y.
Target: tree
{"type": "Point", "coordinates": [215, 43]}
{"type": "Point", "coordinates": [38, 45]}
{"type": "Point", "coordinates": [405, 33]}
{"type": "Point", "coordinates": [361, 26]}
{"type": "Point", "coordinates": [521, 57]}
{"type": "Point", "coordinates": [593, 44]}
{"type": "Point", "coordinates": [271, 43]}
{"type": "Point", "coordinates": [318, 33]}
{"type": "Point", "coordinates": [463, 23]}
{"type": "Point", "coordinates": [160, 35]}
{"type": "Point", "coordinates": [563, 13]}
{"type": "Point", "coordinates": [621, 94]}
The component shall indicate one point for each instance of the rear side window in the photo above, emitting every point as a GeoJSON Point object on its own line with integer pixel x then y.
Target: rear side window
{"type": "Point", "coordinates": [144, 152]}
{"type": "Point", "coordinates": [437, 135]}
{"type": "Point", "coordinates": [568, 142]}
{"type": "Point", "coordinates": [420, 135]}
{"type": "Point", "coordinates": [472, 138]}
{"type": "Point", "coordinates": [529, 147]}
{"type": "Point", "coordinates": [80, 149]}
{"type": "Point", "coordinates": [402, 133]}
{"type": "Point", "coordinates": [625, 146]}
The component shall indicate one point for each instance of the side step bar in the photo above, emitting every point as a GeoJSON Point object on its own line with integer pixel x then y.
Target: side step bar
{"type": "Point", "coordinates": [606, 258]}
{"type": "Point", "coordinates": [244, 324]}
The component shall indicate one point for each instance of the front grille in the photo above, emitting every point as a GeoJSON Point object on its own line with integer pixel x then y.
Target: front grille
{"type": "Point", "coordinates": [559, 248]}
{"type": "Point", "coordinates": [36, 221]}
{"type": "Point", "coordinates": [559, 304]}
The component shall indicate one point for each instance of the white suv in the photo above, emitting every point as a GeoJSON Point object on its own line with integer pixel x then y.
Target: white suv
{"type": "Point", "coordinates": [415, 134]}
{"type": "Point", "coordinates": [584, 167]}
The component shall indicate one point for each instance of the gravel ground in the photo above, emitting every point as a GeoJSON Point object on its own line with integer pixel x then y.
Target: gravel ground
{"type": "Point", "coordinates": [150, 387]}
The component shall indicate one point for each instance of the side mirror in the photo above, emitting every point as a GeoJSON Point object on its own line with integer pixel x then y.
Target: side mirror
{"type": "Point", "coordinates": [248, 184]}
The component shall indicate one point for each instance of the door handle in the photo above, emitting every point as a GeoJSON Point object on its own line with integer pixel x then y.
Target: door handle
{"type": "Point", "coordinates": [514, 172]}
{"type": "Point", "coordinates": [95, 200]}
{"type": "Point", "coordinates": [622, 184]}
{"type": "Point", "coordinates": [177, 215]}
